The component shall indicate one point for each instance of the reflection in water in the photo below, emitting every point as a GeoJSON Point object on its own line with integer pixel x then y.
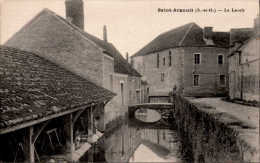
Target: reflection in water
{"type": "Point", "coordinates": [147, 115]}
{"type": "Point", "coordinates": [132, 144]}
{"type": "Point", "coordinates": [157, 145]}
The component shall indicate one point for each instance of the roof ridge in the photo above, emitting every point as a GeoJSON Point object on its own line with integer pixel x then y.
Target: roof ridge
{"type": "Point", "coordinates": [128, 66]}
{"type": "Point", "coordinates": [29, 22]}
{"type": "Point", "coordinates": [185, 35]}
{"type": "Point", "coordinates": [73, 27]}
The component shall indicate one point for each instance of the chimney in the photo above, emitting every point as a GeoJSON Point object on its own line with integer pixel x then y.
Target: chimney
{"type": "Point", "coordinates": [75, 12]}
{"type": "Point", "coordinates": [127, 57]}
{"type": "Point", "coordinates": [207, 33]}
{"type": "Point", "coordinates": [105, 33]}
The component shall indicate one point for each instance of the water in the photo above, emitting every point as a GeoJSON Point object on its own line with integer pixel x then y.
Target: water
{"type": "Point", "coordinates": [135, 143]}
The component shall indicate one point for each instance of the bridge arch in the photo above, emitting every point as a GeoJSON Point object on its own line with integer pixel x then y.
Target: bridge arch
{"type": "Point", "coordinates": [164, 109]}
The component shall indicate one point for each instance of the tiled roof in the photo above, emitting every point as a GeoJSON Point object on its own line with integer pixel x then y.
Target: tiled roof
{"type": "Point", "coordinates": [240, 45]}
{"type": "Point", "coordinates": [240, 35]}
{"type": "Point", "coordinates": [239, 38]}
{"type": "Point", "coordinates": [120, 63]}
{"type": "Point", "coordinates": [32, 87]}
{"type": "Point", "coordinates": [187, 35]}
{"type": "Point", "coordinates": [36, 36]}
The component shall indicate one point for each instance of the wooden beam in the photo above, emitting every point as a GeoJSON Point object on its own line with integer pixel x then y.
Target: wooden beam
{"type": "Point", "coordinates": [90, 121]}
{"type": "Point", "coordinates": [34, 122]}
{"type": "Point", "coordinates": [77, 115]}
{"type": "Point", "coordinates": [35, 137]}
{"type": "Point", "coordinates": [71, 135]}
{"type": "Point", "coordinates": [29, 146]}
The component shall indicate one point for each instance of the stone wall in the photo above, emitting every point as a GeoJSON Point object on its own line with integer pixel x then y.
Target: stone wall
{"type": "Point", "coordinates": [209, 71]}
{"type": "Point", "coordinates": [209, 136]}
{"type": "Point", "coordinates": [182, 68]}
{"type": "Point", "coordinates": [147, 66]}
{"type": "Point", "coordinates": [244, 74]}
{"type": "Point", "coordinates": [118, 105]}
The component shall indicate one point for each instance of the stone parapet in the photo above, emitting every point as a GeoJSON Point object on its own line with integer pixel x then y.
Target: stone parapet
{"type": "Point", "coordinates": [209, 135]}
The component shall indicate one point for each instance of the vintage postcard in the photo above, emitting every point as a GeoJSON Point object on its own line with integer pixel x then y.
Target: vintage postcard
{"type": "Point", "coordinates": [135, 81]}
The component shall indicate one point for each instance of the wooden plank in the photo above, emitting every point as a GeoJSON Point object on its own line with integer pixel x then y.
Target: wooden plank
{"type": "Point", "coordinates": [31, 148]}
{"type": "Point", "coordinates": [71, 134]}
{"type": "Point", "coordinates": [34, 122]}
{"type": "Point", "coordinates": [35, 137]}
{"type": "Point", "coordinates": [77, 115]}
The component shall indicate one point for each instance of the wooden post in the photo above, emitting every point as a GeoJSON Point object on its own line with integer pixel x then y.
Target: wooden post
{"type": "Point", "coordinates": [93, 120]}
{"type": "Point", "coordinates": [29, 146]}
{"type": "Point", "coordinates": [69, 134]}
{"type": "Point", "coordinates": [90, 122]}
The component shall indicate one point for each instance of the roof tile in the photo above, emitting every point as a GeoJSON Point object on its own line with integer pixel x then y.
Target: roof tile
{"type": "Point", "coordinates": [36, 92]}
{"type": "Point", "coordinates": [187, 35]}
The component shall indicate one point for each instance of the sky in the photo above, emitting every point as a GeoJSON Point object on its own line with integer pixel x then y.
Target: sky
{"type": "Point", "coordinates": [131, 24]}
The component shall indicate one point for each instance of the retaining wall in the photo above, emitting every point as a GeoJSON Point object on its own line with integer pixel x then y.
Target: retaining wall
{"type": "Point", "coordinates": [211, 136]}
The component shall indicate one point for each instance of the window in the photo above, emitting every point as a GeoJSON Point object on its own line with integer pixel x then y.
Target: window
{"type": "Point", "coordinates": [220, 59]}
{"type": "Point", "coordinates": [197, 58]}
{"type": "Point", "coordinates": [130, 95]}
{"type": "Point", "coordinates": [138, 97]}
{"type": "Point", "coordinates": [195, 80]}
{"type": "Point", "coordinates": [170, 58]}
{"type": "Point", "coordinates": [122, 92]}
{"type": "Point", "coordinates": [239, 57]}
{"type": "Point", "coordinates": [222, 79]}
{"type": "Point", "coordinates": [162, 76]}
{"type": "Point", "coordinates": [158, 60]}
{"type": "Point", "coordinates": [111, 82]}
{"type": "Point", "coordinates": [164, 61]}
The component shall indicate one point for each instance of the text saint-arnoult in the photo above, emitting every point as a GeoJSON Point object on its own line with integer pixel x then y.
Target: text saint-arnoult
{"type": "Point", "coordinates": [175, 10]}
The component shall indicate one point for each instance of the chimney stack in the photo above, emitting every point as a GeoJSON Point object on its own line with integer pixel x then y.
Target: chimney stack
{"type": "Point", "coordinates": [75, 12]}
{"type": "Point", "coordinates": [207, 33]}
{"type": "Point", "coordinates": [105, 33]}
{"type": "Point", "coordinates": [127, 57]}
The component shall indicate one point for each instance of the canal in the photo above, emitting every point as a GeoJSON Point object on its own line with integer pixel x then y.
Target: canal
{"type": "Point", "coordinates": [130, 141]}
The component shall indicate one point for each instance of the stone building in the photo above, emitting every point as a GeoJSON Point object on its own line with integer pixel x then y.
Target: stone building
{"type": "Point", "coordinates": [64, 42]}
{"type": "Point", "coordinates": [192, 59]}
{"type": "Point", "coordinates": [244, 70]}
{"type": "Point", "coordinates": [43, 107]}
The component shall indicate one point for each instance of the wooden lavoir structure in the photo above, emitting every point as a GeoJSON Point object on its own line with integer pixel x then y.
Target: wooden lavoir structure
{"type": "Point", "coordinates": [43, 107]}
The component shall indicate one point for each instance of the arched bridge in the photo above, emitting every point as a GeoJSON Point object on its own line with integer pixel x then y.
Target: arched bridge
{"type": "Point", "coordinates": [164, 109]}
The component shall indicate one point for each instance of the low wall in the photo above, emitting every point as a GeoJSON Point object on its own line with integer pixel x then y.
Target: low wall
{"type": "Point", "coordinates": [211, 136]}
